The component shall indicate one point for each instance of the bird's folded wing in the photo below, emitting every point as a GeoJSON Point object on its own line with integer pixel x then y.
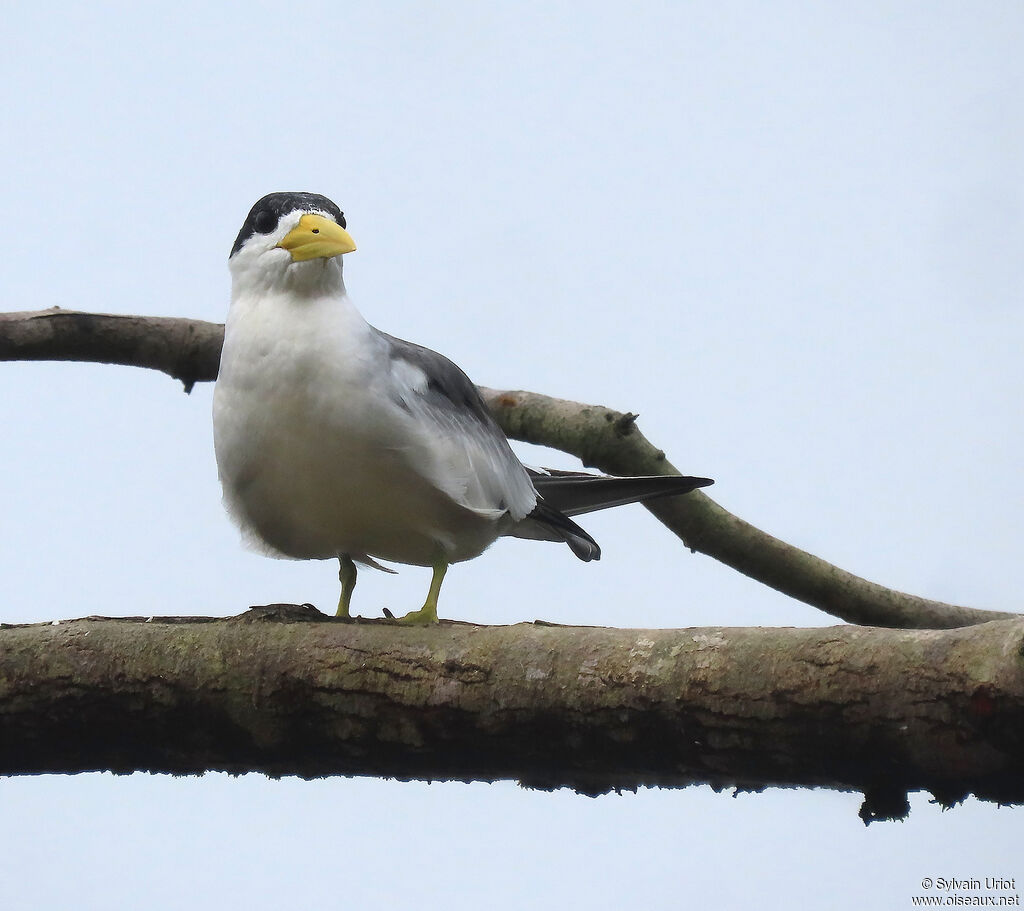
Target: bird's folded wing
{"type": "Point", "coordinates": [470, 458]}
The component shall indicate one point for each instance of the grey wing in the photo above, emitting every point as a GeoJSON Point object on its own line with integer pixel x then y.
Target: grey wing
{"type": "Point", "coordinates": [470, 457]}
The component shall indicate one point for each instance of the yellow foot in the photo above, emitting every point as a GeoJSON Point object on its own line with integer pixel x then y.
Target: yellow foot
{"type": "Point", "coordinates": [425, 616]}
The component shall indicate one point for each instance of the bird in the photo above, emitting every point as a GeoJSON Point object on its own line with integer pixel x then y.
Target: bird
{"type": "Point", "coordinates": [335, 440]}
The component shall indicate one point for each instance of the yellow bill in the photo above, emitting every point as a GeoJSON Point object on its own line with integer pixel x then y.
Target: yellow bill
{"type": "Point", "coordinates": [317, 237]}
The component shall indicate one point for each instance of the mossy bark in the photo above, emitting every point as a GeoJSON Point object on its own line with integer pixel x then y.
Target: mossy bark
{"type": "Point", "coordinates": [287, 691]}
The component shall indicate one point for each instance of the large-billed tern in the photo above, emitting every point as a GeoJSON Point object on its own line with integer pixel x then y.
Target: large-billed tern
{"type": "Point", "coordinates": [336, 440]}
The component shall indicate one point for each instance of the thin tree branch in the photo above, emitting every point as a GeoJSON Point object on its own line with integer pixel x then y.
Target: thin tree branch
{"type": "Point", "coordinates": [610, 441]}
{"type": "Point", "coordinates": [872, 710]}
{"type": "Point", "coordinates": [185, 349]}
{"type": "Point", "coordinates": [189, 350]}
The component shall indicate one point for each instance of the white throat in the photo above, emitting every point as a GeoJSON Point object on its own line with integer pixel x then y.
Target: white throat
{"type": "Point", "coordinates": [274, 273]}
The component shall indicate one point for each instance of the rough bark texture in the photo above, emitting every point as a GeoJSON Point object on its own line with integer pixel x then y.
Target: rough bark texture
{"type": "Point", "coordinates": [189, 350]}
{"type": "Point", "coordinates": [185, 349]}
{"type": "Point", "coordinates": [873, 710]}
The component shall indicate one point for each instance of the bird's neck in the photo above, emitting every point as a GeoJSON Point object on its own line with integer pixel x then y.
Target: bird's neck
{"type": "Point", "coordinates": [317, 278]}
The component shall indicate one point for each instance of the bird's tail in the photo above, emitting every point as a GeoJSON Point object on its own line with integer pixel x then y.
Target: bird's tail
{"type": "Point", "coordinates": [574, 493]}
{"type": "Point", "coordinates": [570, 493]}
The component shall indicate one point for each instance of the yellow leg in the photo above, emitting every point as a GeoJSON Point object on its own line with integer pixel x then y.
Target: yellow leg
{"type": "Point", "coordinates": [427, 615]}
{"type": "Point", "coordinates": [347, 575]}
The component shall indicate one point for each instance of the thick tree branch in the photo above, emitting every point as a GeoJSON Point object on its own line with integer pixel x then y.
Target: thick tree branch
{"type": "Point", "coordinates": [189, 350]}
{"type": "Point", "coordinates": [873, 710]}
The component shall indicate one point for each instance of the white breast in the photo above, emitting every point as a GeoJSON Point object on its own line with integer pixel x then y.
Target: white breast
{"type": "Point", "coordinates": [316, 456]}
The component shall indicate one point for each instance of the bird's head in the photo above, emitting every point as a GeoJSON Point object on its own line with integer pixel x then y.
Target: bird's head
{"type": "Point", "coordinates": [290, 241]}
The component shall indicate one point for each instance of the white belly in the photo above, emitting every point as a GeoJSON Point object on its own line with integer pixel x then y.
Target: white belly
{"type": "Point", "coordinates": [316, 459]}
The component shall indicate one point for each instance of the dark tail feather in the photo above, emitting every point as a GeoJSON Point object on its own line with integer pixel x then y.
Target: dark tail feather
{"type": "Point", "coordinates": [552, 525]}
{"type": "Point", "coordinates": [575, 493]}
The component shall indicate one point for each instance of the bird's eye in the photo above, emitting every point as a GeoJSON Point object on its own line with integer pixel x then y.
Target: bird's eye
{"type": "Point", "coordinates": [316, 230]}
{"type": "Point", "coordinates": [265, 221]}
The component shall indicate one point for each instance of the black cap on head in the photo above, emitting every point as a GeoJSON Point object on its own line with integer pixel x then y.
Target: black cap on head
{"type": "Point", "coordinates": [264, 216]}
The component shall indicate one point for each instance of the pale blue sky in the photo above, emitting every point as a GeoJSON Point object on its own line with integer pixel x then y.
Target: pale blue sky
{"type": "Point", "coordinates": [787, 234]}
